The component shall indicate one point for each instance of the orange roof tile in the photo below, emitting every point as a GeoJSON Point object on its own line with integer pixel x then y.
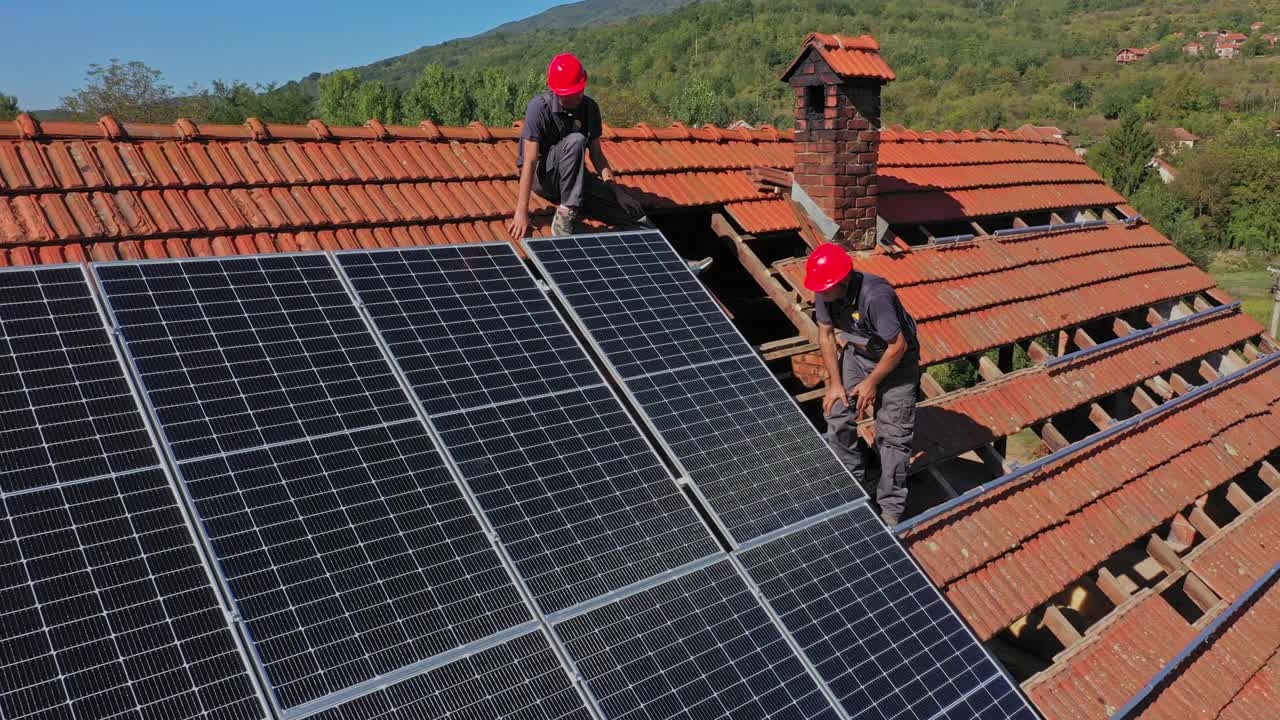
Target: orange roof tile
{"type": "Point", "coordinates": [849, 57]}
{"type": "Point", "coordinates": [1005, 552]}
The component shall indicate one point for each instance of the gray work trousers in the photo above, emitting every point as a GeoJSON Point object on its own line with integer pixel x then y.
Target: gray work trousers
{"type": "Point", "coordinates": [562, 178]}
{"type": "Point", "coordinates": [895, 420]}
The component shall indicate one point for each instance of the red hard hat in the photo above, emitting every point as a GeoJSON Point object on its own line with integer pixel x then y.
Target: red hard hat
{"type": "Point", "coordinates": [566, 75]}
{"type": "Point", "coordinates": [828, 265]}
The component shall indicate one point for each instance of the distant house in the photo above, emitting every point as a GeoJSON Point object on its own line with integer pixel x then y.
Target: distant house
{"type": "Point", "coordinates": [1208, 34]}
{"type": "Point", "coordinates": [740, 125]}
{"type": "Point", "coordinates": [1193, 48]}
{"type": "Point", "coordinates": [1272, 39]}
{"type": "Point", "coordinates": [1229, 51]}
{"type": "Point", "coordinates": [1183, 137]}
{"type": "Point", "coordinates": [1231, 39]}
{"type": "Point", "coordinates": [1046, 132]}
{"type": "Point", "coordinates": [1257, 26]}
{"type": "Point", "coordinates": [1168, 173]}
{"type": "Point", "coordinates": [1132, 55]}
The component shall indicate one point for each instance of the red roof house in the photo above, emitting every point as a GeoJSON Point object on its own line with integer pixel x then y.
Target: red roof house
{"type": "Point", "coordinates": [1132, 55]}
{"type": "Point", "coordinates": [1155, 400]}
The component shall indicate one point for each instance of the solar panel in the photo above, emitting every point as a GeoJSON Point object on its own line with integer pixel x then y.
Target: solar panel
{"type": "Point", "coordinates": [239, 353]}
{"type": "Point", "coordinates": [580, 500]}
{"type": "Point", "coordinates": [744, 442]}
{"type": "Point", "coordinates": [876, 630]}
{"type": "Point", "coordinates": [468, 325]}
{"type": "Point", "coordinates": [107, 611]}
{"type": "Point", "coordinates": [521, 679]}
{"type": "Point", "coordinates": [697, 647]}
{"type": "Point", "coordinates": [737, 433]}
{"type": "Point", "coordinates": [638, 301]}
{"type": "Point", "coordinates": [350, 556]}
{"type": "Point", "coordinates": [66, 410]}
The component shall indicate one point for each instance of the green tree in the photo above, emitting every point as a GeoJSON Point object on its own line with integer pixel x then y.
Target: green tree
{"type": "Point", "coordinates": [697, 104]}
{"type": "Point", "coordinates": [495, 98]}
{"type": "Point", "coordinates": [378, 100]}
{"type": "Point", "coordinates": [439, 94]}
{"type": "Point", "coordinates": [1170, 215]}
{"type": "Point", "coordinates": [288, 104]}
{"type": "Point", "coordinates": [131, 92]}
{"type": "Point", "coordinates": [8, 107]}
{"type": "Point", "coordinates": [1078, 94]}
{"type": "Point", "coordinates": [1123, 154]}
{"type": "Point", "coordinates": [340, 98]}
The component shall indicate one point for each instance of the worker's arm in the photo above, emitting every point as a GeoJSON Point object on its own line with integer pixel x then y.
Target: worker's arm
{"type": "Point", "coordinates": [831, 361]}
{"type": "Point", "coordinates": [866, 390]}
{"type": "Point", "coordinates": [519, 226]}
{"type": "Point", "coordinates": [599, 161]}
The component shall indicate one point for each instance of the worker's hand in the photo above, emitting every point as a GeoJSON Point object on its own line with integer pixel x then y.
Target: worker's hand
{"type": "Point", "coordinates": [628, 203]}
{"type": "Point", "coordinates": [519, 225]}
{"type": "Point", "coordinates": [835, 394]}
{"type": "Point", "coordinates": [865, 393]}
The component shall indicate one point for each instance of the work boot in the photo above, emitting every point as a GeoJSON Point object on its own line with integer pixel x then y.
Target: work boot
{"type": "Point", "coordinates": [889, 519]}
{"type": "Point", "coordinates": [562, 224]}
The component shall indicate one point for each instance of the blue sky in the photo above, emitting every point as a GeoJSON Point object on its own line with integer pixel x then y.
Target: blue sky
{"type": "Point", "coordinates": [48, 45]}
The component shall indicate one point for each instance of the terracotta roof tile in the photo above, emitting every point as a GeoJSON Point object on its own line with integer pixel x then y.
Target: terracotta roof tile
{"type": "Point", "coordinates": [1098, 500]}
{"type": "Point", "coordinates": [764, 216]}
{"type": "Point", "coordinates": [1099, 675]}
{"type": "Point", "coordinates": [1230, 561]}
{"type": "Point", "coordinates": [1004, 406]}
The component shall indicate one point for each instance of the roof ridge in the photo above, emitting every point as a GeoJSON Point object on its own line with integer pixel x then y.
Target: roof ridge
{"type": "Point", "coordinates": [900, 134]}
{"type": "Point", "coordinates": [27, 127]}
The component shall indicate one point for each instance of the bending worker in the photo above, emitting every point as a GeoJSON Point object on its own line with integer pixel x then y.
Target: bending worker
{"type": "Point", "coordinates": [560, 128]}
{"type": "Point", "coordinates": [878, 370]}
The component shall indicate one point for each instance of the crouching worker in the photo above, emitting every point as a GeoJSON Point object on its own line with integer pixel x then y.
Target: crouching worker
{"type": "Point", "coordinates": [561, 127]}
{"type": "Point", "coordinates": [877, 371]}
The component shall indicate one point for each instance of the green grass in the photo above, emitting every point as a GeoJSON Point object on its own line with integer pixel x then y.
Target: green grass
{"type": "Point", "coordinates": [1252, 287]}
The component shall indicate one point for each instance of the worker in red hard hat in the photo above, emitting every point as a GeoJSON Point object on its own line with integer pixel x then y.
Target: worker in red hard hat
{"type": "Point", "coordinates": [561, 128]}
{"type": "Point", "coordinates": [872, 355]}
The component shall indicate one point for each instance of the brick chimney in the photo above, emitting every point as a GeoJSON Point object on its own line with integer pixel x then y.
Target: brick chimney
{"type": "Point", "coordinates": [837, 81]}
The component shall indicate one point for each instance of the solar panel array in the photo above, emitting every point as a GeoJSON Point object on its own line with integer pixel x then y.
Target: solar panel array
{"type": "Point", "coordinates": [106, 609]}
{"type": "Point", "coordinates": [423, 499]}
{"type": "Point", "coordinates": [579, 498]}
{"type": "Point", "coordinates": [875, 631]}
{"type": "Point", "coordinates": [347, 547]}
{"type": "Point", "coordinates": [739, 435]}
{"type": "Point", "coordinates": [873, 626]}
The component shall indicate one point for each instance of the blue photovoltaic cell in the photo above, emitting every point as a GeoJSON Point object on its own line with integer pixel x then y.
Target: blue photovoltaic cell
{"type": "Point", "coordinates": [350, 556]}
{"type": "Point", "coordinates": [877, 631]}
{"type": "Point", "coordinates": [66, 410]}
{"type": "Point", "coordinates": [639, 301]}
{"type": "Point", "coordinates": [243, 352]}
{"type": "Point", "coordinates": [578, 497]}
{"type": "Point", "coordinates": [753, 455]}
{"type": "Point", "coordinates": [739, 435]}
{"type": "Point", "coordinates": [467, 325]}
{"type": "Point", "coordinates": [521, 679]}
{"type": "Point", "coordinates": [107, 612]}
{"type": "Point", "coordinates": [697, 647]}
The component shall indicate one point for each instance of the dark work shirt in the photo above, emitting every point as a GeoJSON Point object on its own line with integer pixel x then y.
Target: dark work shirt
{"type": "Point", "coordinates": [874, 310]}
{"type": "Point", "coordinates": [548, 122]}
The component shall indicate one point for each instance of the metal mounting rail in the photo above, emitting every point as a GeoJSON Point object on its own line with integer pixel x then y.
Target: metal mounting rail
{"type": "Point", "coordinates": [1075, 447]}
{"type": "Point", "coordinates": [1140, 334]}
{"type": "Point", "coordinates": [1147, 694]}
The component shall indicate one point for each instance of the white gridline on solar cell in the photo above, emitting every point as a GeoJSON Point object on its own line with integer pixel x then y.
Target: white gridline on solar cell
{"type": "Point", "coordinates": [402, 620]}
{"type": "Point", "coordinates": [80, 398]}
{"type": "Point", "coordinates": [91, 571]}
{"type": "Point", "coordinates": [472, 300]}
{"type": "Point", "coordinates": [262, 430]}
{"type": "Point", "coordinates": [648, 460]}
{"type": "Point", "coordinates": [613, 635]}
{"type": "Point", "coordinates": [911, 626]}
{"type": "Point", "coordinates": [1003, 690]}
{"type": "Point", "coordinates": [512, 675]}
{"type": "Point", "coordinates": [630, 331]}
{"type": "Point", "coordinates": [263, 546]}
